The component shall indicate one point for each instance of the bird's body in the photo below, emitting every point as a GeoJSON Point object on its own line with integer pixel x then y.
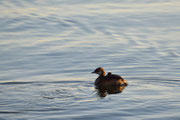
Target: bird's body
{"type": "Point", "coordinates": [109, 79]}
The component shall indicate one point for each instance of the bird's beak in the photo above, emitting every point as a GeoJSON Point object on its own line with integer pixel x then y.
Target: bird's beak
{"type": "Point", "coordinates": [92, 72]}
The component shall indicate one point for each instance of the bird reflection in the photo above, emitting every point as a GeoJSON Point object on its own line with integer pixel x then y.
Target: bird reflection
{"type": "Point", "coordinates": [108, 84]}
{"type": "Point", "coordinates": [103, 91]}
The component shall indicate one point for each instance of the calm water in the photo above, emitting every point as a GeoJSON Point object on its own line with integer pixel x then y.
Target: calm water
{"type": "Point", "coordinates": [48, 50]}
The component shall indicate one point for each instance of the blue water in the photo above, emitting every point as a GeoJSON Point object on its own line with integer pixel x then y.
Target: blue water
{"type": "Point", "coordinates": [48, 50]}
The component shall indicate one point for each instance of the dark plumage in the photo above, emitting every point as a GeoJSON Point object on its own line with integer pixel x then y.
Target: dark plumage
{"type": "Point", "coordinates": [109, 79]}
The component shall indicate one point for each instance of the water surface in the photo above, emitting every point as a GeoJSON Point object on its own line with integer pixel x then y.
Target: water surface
{"type": "Point", "coordinates": [48, 50]}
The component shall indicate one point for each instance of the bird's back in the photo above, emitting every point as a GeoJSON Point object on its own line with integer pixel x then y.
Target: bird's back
{"type": "Point", "coordinates": [110, 80]}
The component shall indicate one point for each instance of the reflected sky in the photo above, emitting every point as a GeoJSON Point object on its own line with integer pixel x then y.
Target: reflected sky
{"type": "Point", "coordinates": [49, 48]}
{"type": "Point", "coordinates": [87, 9]}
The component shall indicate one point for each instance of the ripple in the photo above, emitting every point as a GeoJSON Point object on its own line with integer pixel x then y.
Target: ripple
{"type": "Point", "coordinates": [11, 83]}
{"type": "Point", "coordinates": [10, 112]}
{"type": "Point", "coordinates": [48, 50]}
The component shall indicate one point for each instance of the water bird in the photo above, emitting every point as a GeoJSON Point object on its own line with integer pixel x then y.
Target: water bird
{"type": "Point", "coordinates": [109, 79]}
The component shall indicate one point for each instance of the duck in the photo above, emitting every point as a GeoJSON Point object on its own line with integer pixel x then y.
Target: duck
{"type": "Point", "coordinates": [109, 79]}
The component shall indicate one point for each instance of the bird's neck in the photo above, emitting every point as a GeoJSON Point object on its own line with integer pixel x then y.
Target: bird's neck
{"type": "Point", "coordinates": [102, 74]}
